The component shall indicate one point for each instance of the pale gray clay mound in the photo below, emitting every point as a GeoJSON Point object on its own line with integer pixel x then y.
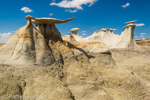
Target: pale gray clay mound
{"type": "Point", "coordinates": [111, 40]}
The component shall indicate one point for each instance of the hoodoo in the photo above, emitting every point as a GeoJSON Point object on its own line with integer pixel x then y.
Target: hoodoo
{"type": "Point", "coordinates": [29, 44]}
{"type": "Point", "coordinates": [46, 26]}
{"type": "Point", "coordinates": [74, 30]}
{"type": "Point", "coordinates": [111, 40]}
{"type": "Point", "coordinates": [127, 37]}
{"type": "Point", "coordinates": [75, 35]}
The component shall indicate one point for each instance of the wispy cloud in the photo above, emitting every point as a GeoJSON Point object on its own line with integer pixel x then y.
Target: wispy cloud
{"type": "Point", "coordinates": [75, 4]}
{"type": "Point", "coordinates": [51, 14]}
{"type": "Point", "coordinates": [126, 5]}
{"type": "Point", "coordinates": [71, 11]}
{"type": "Point", "coordinates": [84, 34]}
{"type": "Point", "coordinates": [142, 24]}
{"type": "Point", "coordinates": [141, 36]}
{"type": "Point", "coordinates": [4, 37]}
{"type": "Point", "coordinates": [12, 31]}
{"type": "Point", "coordinates": [83, 31]}
{"type": "Point", "coordinates": [143, 33]}
{"type": "Point", "coordinates": [113, 29]}
{"type": "Point", "coordinates": [26, 10]}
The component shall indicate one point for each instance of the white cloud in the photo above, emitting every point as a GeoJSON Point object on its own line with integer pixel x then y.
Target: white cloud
{"type": "Point", "coordinates": [83, 31]}
{"type": "Point", "coordinates": [71, 11]}
{"type": "Point", "coordinates": [142, 24]}
{"type": "Point", "coordinates": [126, 5]}
{"type": "Point", "coordinates": [4, 37]}
{"type": "Point", "coordinates": [84, 34]}
{"type": "Point", "coordinates": [143, 33]}
{"type": "Point", "coordinates": [26, 10]}
{"type": "Point", "coordinates": [135, 36]}
{"type": "Point", "coordinates": [81, 36]}
{"type": "Point", "coordinates": [141, 36]}
{"type": "Point", "coordinates": [114, 29]}
{"type": "Point", "coordinates": [51, 14]}
{"type": "Point", "coordinates": [76, 4]}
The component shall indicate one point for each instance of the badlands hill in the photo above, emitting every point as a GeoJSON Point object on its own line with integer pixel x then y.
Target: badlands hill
{"type": "Point", "coordinates": [111, 40]}
{"type": "Point", "coordinates": [145, 42]}
{"type": "Point", "coordinates": [60, 68]}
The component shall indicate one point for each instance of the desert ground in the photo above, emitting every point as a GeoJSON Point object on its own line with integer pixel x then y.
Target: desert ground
{"type": "Point", "coordinates": [123, 74]}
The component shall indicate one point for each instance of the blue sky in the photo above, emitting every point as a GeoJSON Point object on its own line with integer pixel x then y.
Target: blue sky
{"type": "Point", "coordinates": [91, 15]}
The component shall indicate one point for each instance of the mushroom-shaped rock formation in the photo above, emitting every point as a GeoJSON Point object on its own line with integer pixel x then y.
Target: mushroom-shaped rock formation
{"type": "Point", "coordinates": [75, 35]}
{"type": "Point", "coordinates": [47, 27]}
{"type": "Point", "coordinates": [111, 40]}
{"type": "Point", "coordinates": [50, 21]}
{"type": "Point", "coordinates": [131, 22]}
{"type": "Point", "coordinates": [74, 30]}
{"type": "Point", "coordinates": [127, 37]}
{"type": "Point", "coordinates": [29, 45]}
{"type": "Point", "coordinates": [69, 33]}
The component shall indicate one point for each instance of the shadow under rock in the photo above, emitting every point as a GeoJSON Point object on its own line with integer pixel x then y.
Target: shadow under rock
{"type": "Point", "coordinates": [72, 46]}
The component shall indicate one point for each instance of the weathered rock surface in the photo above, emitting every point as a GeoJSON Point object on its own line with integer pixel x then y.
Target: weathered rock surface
{"type": "Point", "coordinates": [43, 20]}
{"type": "Point", "coordinates": [136, 60]}
{"type": "Point", "coordinates": [1, 44]}
{"type": "Point", "coordinates": [46, 26]}
{"type": "Point", "coordinates": [142, 42]}
{"type": "Point", "coordinates": [33, 68]}
{"type": "Point", "coordinates": [74, 30]}
{"type": "Point", "coordinates": [29, 44]}
{"type": "Point", "coordinates": [76, 76]}
{"type": "Point", "coordinates": [69, 37]}
{"type": "Point", "coordinates": [76, 36]}
{"type": "Point", "coordinates": [111, 40]}
{"type": "Point", "coordinates": [31, 83]}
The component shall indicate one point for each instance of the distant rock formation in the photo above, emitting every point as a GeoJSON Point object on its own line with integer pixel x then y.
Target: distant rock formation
{"type": "Point", "coordinates": [91, 46]}
{"type": "Point", "coordinates": [76, 36]}
{"type": "Point", "coordinates": [142, 42]}
{"type": "Point", "coordinates": [111, 40]}
{"type": "Point", "coordinates": [1, 45]}
{"type": "Point", "coordinates": [68, 37]}
{"type": "Point", "coordinates": [74, 30]}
